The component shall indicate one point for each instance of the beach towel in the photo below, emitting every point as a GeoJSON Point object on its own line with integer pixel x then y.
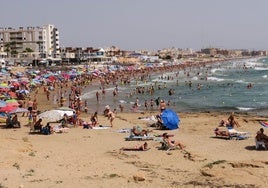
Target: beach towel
{"type": "Point", "coordinates": [100, 127]}
{"type": "Point", "coordinates": [134, 149]}
{"type": "Point", "coordinates": [124, 130]}
{"type": "Point", "coordinates": [59, 129]}
{"type": "Point", "coordinates": [231, 133]}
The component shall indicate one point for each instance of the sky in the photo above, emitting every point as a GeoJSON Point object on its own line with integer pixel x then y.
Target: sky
{"type": "Point", "coordinates": [146, 24]}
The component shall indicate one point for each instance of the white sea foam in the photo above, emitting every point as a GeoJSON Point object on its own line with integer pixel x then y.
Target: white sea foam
{"type": "Point", "coordinates": [240, 81]}
{"type": "Point", "coordinates": [215, 79]}
{"type": "Point", "coordinates": [244, 108]}
{"type": "Point", "coordinates": [260, 68]}
{"type": "Point", "coordinates": [215, 70]}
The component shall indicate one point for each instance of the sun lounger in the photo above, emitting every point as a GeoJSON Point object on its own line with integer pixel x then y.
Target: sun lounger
{"type": "Point", "coordinates": [231, 134]}
{"type": "Point", "coordinates": [260, 144]}
{"type": "Point", "coordinates": [238, 135]}
{"type": "Point", "coordinates": [165, 146]}
{"type": "Point", "coordinates": [33, 130]}
{"type": "Point", "coordinates": [132, 138]}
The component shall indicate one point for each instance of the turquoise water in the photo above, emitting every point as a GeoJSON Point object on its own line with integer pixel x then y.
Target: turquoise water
{"type": "Point", "coordinates": [222, 87]}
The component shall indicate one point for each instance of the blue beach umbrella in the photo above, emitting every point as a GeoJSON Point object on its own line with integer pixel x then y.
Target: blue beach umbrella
{"type": "Point", "coordinates": [3, 103]}
{"type": "Point", "coordinates": [170, 119]}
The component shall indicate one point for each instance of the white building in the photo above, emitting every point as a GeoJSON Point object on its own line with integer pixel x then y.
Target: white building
{"type": "Point", "coordinates": [30, 41]}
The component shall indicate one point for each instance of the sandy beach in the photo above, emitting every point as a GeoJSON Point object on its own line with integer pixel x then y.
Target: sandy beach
{"type": "Point", "coordinates": [92, 158]}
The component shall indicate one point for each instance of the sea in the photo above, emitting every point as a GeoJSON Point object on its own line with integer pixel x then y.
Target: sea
{"type": "Point", "coordinates": [230, 86]}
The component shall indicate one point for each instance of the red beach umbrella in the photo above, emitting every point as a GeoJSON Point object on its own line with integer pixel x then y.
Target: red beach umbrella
{"type": "Point", "coordinates": [7, 108]}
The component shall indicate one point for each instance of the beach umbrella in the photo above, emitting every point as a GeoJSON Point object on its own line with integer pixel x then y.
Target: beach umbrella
{"type": "Point", "coordinates": [7, 108]}
{"type": "Point", "coordinates": [3, 84]}
{"type": "Point", "coordinates": [18, 110]}
{"type": "Point", "coordinates": [12, 102]}
{"type": "Point", "coordinates": [24, 91]}
{"type": "Point", "coordinates": [3, 103]}
{"type": "Point", "coordinates": [4, 88]}
{"type": "Point", "coordinates": [264, 124]}
{"type": "Point", "coordinates": [54, 115]}
{"type": "Point", "coordinates": [51, 115]}
{"type": "Point", "coordinates": [15, 84]}
{"type": "Point", "coordinates": [12, 94]}
{"type": "Point", "coordinates": [170, 119]}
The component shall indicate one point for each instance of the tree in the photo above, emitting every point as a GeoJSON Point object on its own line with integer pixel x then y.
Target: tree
{"type": "Point", "coordinates": [29, 50]}
{"type": "Point", "coordinates": [9, 48]}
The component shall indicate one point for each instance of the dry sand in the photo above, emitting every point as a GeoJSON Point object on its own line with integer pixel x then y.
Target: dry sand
{"type": "Point", "coordinates": [92, 158]}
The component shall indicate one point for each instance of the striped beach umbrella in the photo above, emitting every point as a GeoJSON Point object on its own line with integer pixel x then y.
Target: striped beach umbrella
{"type": "Point", "coordinates": [264, 124]}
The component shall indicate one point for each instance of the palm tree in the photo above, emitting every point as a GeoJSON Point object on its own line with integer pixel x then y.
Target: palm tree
{"type": "Point", "coordinates": [28, 50]}
{"type": "Point", "coordinates": [7, 48]}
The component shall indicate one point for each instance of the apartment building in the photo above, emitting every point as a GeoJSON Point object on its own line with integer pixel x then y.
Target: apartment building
{"type": "Point", "coordinates": [36, 42]}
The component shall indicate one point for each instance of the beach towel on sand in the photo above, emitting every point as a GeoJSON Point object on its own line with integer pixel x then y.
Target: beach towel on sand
{"type": "Point", "coordinates": [101, 127]}
{"type": "Point", "coordinates": [134, 149]}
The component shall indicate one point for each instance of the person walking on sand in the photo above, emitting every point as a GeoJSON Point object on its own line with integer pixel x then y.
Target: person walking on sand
{"type": "Point", "coordinates": [30, 105]}
{"type": "Point", "coordinates": [97, 96]}
{"type": "Point", "coordinates": [111, 117]}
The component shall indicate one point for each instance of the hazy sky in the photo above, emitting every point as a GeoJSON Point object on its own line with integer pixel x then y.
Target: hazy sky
{"type": "Point", "coordinates": [146, 24]}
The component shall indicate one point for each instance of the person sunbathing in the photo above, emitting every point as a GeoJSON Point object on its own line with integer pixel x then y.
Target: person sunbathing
{"type": "Point", "coordinates": [219, 132]}
{"type": "Point", "coordinates": [85, 124]}
{"type": "Point", "coordinates": [142, 147]}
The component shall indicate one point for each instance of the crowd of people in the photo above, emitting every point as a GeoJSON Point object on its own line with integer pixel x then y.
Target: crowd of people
{"type": "Point", "coordinates": [65, 93]}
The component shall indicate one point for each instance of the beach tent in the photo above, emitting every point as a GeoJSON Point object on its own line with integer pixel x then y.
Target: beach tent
{"type": "Point", "coordinates": [170, 119]}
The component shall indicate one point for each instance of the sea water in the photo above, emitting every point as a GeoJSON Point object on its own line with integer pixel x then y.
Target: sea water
{"type": "Point", "coordinates": [223, 86]}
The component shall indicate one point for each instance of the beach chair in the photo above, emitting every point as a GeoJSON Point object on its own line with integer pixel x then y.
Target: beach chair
{"type": "Point", "coordinates": [139, 138]}
{"type": "Point", "coordinates": [165, 146]}
{"type": "Point", "coordinates": [238, 135]}
{"type": "Point", "coordinates": [33, 130]}
{"type": "Point", "coordinates": [260, 144]}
